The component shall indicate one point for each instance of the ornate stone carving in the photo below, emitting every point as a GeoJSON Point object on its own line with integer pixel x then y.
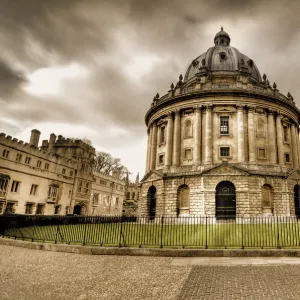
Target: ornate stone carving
{"type": "Point", "coordinates": [170, 114]}
{"type": "Point", "coordinates": [208, 106]}
{"type": "Point", "coordinates": [251, 109]}
{"type": "Point", "coordinates": [177, 112]}
{"type": "Point", "coordinates": [197, 108]}
{"type": "Point", "coordinates": [240, 107]}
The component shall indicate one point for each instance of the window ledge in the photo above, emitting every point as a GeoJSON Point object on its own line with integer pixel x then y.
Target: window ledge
{"type": "Point", "coordinates": [225, 157]}
{"type": "Point", "coordinates": [225, 135]}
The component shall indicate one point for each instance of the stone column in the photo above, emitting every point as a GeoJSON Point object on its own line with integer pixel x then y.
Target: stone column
{"type": "Point", "coordinates": [251, 136]}
{"type": "Point", "coordinates": [148, 150]}
{"type": "Point", "coordinates": [279, 139]}
{"type": "Point", "coordinates": [177, 139]}
{"type": "Point", "coordinates": [271, 138]}
{"type": "Point", "coordinates": [198, 131]}
{"type": "Point", "coordinates": [153, 146]}
{"type": "Point", "coordinates": [298, 142]}
{"type": "Point", "coordinates": [208, 135]}
{"type": "Point", "coordinates": [240, 134]}
{"type": "Point", "coordinates": [170, 133]}
{"type": "Point", "coordinates": [294, 146]}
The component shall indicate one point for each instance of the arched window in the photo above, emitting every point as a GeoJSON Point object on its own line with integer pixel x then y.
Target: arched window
{"type": "Point", "coordinates": [188, 129]}
{"type": "Point", "coordinates": [260, 128]}
{"type": "Point", "coordinates": [297, 200]}
{"type": "Point", "coordinates": [184, 200]}
{"type": "Point", "coordinates": [266, 199]}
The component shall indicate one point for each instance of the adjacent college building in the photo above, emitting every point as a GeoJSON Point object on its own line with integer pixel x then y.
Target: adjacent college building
{"type": "Point", "coordinates": [56, 178]}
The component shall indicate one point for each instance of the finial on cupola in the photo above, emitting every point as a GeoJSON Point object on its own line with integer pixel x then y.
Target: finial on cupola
{"type": "Point", "coordinates": [221, 28]}
{"type": "Point", "coordinates": [274, 85]}
{"type": "Point", "coordinates": [157, 96]}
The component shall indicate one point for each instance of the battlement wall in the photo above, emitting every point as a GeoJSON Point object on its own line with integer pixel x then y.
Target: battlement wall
{"type": "Point", "coordinates": [19, 145]}
{"type": "Point", "coordinates": [108, 177]}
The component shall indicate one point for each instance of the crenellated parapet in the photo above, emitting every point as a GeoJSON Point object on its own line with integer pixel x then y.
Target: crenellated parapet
{"type": "Point", "coordinates": [19, 145]}
{"type": "Point", "coordinates": [108, 177]}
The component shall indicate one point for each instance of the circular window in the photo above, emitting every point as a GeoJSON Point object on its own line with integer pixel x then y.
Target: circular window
{"type": "Point", "coordinates": [222, 55]}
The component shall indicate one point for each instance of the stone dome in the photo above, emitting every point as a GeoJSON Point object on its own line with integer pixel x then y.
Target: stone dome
{"type": "Point", "coordinates": [222, 131]}
{"type": "Point", "coordinates": [223, 58]}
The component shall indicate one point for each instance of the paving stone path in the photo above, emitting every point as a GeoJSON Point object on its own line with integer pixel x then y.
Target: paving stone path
{"type": "Point", "coordinates": [242, 282]}
{"type": "Point", "coordinates": [27, 274]}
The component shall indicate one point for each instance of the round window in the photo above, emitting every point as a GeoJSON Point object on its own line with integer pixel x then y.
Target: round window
{"type": "Point", "coordinates": [222, 55]}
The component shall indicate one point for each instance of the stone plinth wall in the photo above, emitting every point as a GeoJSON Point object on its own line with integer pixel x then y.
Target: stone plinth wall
{"type": "Point", "coordinates": [203, 194]}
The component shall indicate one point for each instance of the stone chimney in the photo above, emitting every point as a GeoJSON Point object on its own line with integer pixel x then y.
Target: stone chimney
{"type": "Point", "coordinates": [35, 138]}
{"type": "Point", "coordinates": [51, 142]}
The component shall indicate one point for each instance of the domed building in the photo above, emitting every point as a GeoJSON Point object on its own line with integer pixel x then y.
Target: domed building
{"type": "Point", "coordinates": [222, 142]}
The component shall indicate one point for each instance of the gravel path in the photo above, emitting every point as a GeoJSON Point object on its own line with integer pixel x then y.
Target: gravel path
{"type": "Point", "coordinates": [33, 274]}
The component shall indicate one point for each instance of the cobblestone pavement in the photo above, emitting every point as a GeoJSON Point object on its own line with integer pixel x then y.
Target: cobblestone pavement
{"type": "Point", "coordinates": [242, 282]}
{"type": "Point", "coordinates": [27, 274]}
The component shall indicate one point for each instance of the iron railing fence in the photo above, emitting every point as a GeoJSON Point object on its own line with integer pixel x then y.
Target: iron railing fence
{"type": "Point", "coordinates": [164, 231]}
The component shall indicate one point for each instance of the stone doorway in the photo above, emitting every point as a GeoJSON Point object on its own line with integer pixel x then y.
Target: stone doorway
{"type": "Point", "coordinates": [77, 210]}
{"type": "Point", "coordinates": [152, 202]}
{"type": "Point", "coordinates": [225, 200]}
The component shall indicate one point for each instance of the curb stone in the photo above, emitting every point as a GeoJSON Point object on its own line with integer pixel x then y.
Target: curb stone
{"type": "Point", "coordinates": [124, 251]}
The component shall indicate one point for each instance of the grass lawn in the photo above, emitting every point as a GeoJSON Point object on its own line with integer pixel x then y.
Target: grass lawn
{"type": "Point", "coordinates": [230, 235]}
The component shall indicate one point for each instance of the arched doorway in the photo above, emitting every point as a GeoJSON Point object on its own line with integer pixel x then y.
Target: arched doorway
{"type": "Point", "coordinates": [77, 209]}
{"type": "Point", "coordinates": [152, 202]}
{"type": "Point", "coordinates": [225, 200]}
{"type": "Point", "coordinates": [297, 200]}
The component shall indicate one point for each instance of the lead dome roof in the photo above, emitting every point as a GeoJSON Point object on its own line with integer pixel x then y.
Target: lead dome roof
{"type": "Point", "coordinates": [222, 57]}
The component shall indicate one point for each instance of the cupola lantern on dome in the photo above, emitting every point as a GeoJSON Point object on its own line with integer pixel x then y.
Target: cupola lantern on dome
{"type": "Point", "coordinates": [222, 58]}
{"type": "Point", "coordinates": [222, 38]}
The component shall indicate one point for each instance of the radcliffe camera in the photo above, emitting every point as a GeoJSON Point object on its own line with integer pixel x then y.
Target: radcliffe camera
{"type": "Point", "coordinates": [149, 150]}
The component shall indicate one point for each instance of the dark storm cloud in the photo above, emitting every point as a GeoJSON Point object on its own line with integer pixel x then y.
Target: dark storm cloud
{"type": "Point", "coordinates": [40, 33]}
{"type": "Point", "coordinates": [10, 80]}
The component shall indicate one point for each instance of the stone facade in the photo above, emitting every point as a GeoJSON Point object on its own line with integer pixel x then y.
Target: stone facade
{"type": "Point", "coordinates": [56, 178]}
{"type": "Point", "coordinates": [223, 124]}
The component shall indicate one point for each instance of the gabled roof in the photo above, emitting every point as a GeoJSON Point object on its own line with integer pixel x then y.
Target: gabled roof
{"type": "Point", "coordinates": [148, 175]}
{"type": "Point", "coordinates": [226, 168]}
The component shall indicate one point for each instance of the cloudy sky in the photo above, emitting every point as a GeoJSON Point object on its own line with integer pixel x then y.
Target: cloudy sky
{"type": "Point", "coordinates": [91, 68]}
